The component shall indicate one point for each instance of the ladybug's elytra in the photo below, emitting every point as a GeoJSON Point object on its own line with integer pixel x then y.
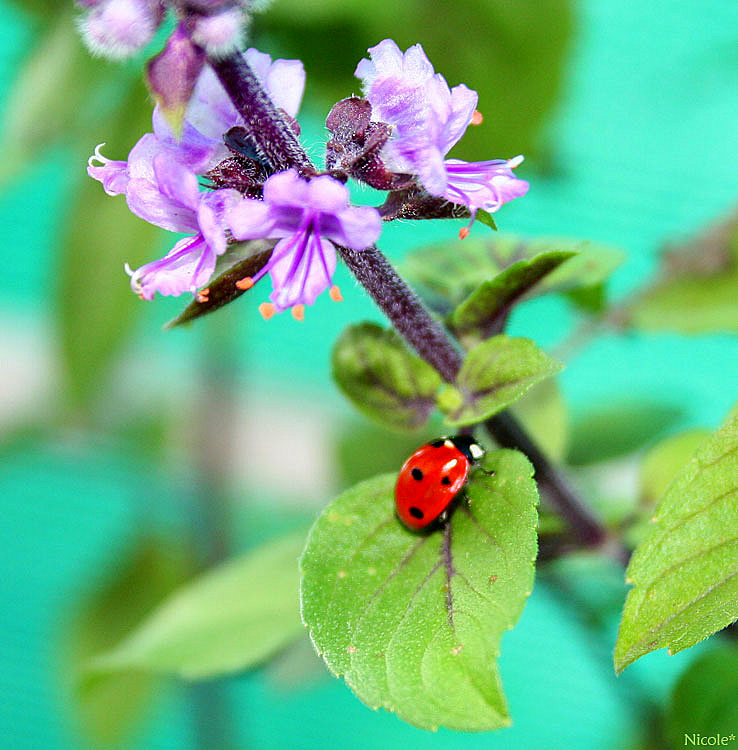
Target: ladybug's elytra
{"type": "Point", "coordinates": [432, 477]}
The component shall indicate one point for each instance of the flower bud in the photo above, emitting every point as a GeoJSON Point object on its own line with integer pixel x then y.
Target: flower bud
{"type": "Point", "coordinates": [119, 28]}
{"type": "Point", "coordinates": [172, 75]}
{"type": "Point", "coordinates": [221, 33]}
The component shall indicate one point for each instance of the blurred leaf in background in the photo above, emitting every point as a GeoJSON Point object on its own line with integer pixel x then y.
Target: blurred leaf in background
{"type": "Point", "coordinates": [488, 45]}
{"type": "Point", "coordinates": [617, 428]}
{"type": "Point", "coordinates": [96, 307]}
{"type": "Point", "coordinates": [231, 618]}
{"type": "Point", "coordinates": [109, 706]}
{"type": "Point", "coordinates": [697, 291]}
{"type": "Point", "coordinates": [704, 699]}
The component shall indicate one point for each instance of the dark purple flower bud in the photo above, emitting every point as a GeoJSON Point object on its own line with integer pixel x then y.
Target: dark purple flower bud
{"type": "Point", "coordinates": [173, 73]}
{"type": "Point", "coordinates": [356, 145]}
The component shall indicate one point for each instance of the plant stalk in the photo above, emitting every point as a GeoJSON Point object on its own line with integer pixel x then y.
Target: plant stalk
{"type": "Point", "coordinates": [277, 143]}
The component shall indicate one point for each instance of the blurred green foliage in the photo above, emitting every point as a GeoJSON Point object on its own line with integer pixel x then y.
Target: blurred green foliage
{"type": "Point", "coordinates": [513, 54]}
{"type": "Point", "coordinates": [109, 706]}
{"type": "Point", "coordinates": [616, 429]}
{"type": "Point", "coordinates": [704, 700]}
{"type": "Point", "coordinates": [230, 618]}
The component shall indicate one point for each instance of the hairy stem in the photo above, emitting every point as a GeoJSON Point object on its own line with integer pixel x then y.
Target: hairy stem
{"type": "Point", "coordinates": [276, 142]}
{"type": "Point", "coordinates": [405, 310]}
{"type": "Point", "coordinates": [273, 138]}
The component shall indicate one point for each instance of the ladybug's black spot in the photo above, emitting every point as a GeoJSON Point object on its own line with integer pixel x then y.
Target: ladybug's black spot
{"type": "Point", "coordinates": [438, 443]}
{"type": "Point", "coordinates": [417, 474]}
{"type": "Point", "coordinates": [445, 480]}
{"type": "Point", "coordinates": [416, 512]}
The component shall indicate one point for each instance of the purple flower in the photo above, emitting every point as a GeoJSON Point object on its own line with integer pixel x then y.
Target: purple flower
{"type": "Point", "coordinates": [119, 28]}
{"type": "Point", "coordinates": [166, 193]}
{"type": "Point", "coordinates": [307, 218]}
{"type": "Point", "coordinates": [428, 119]}
{"type": "Point", "coordinates": [221, 32]}
{"type": "Point", "coordinates": [210, 112]}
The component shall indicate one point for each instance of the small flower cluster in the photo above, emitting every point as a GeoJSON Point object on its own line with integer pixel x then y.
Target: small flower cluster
{"type": "Point", "coordinates": [396, 139]}
{"type": "Point", "coordinates": [120, 28]}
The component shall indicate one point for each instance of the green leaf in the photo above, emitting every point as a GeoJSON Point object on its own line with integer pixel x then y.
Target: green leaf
{"type": "Point", "coordinates": [698, 289]}
{"type": "Point", "coordinates": [494, 374]}
{"type": "Point", "coordinates": [484, 312]}
{"type": "Point", "coordinates": [414, 622]}
{"type": "Point", "coordinates": [450, 273]}
{"type": "Point", "coordinates": [704, 699]}
{"type": "Point", "coordinates": [363, 448]}
{"type": "Point", "coordinates": [242, 259]}
{"type": "Point", "coordinates": [229, 619]}
{"type": "Point", "coordinates": [685, 572]}
{"type": "Point", "coordinates": [486, 218]}
{"type": "Point", "coordinates": [542, 411]}
{"type": "Point", "coordinates": [690, 305]}
{"type": "Point", "coordinates": [382, 378]}
{"type": "Point", "coordinates": [618, 428]}
{"type": "Point", "coordinates": [109, 706]}
{"type": "Point", "coordinates": [665, 460]}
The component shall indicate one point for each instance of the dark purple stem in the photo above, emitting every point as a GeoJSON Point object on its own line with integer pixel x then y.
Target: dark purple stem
{"type": "Point", "coordinates": [273, 138]}
{"type": "Point", "coordinates": [276, 142]}
{"type": "Point", "coordinates": [405, 310]}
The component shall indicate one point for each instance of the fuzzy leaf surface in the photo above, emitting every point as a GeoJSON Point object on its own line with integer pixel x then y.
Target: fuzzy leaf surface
{"type": "Point", "coordinates": [494, 374]}
{"type": "Point", "coordinates": [414, 622]}
{"type": "Point", "coordinates": [383, 378]}
{"type": "Point", "coordinates": [229, 619]}
{"type": "Point", "coordinates": [685, 572]}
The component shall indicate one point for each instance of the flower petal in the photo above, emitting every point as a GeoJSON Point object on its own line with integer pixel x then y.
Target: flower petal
{"type": "Point", "coordinates": [286, 189]}
{"type": "Point", "coordinates": [356, 227]}
{"type": "Point", "coordinates": [187, 266]}
{"type": "Point", "coordinates": [299, 279]}
{"type": "Point", "coordinates": [325, 193]}
{"type": "Point", "coordinates": [211, 217]}
{"type": "Point", "coordinates": [250, 219]}
{"type": "Point", "coordinates": [176, 182]}
{"type": "Point", "coordinates": [146, 201]}
{"type": "Point", "coordinates": [285, 83]}
{"type": "Point", "coordinates": [112, 174]}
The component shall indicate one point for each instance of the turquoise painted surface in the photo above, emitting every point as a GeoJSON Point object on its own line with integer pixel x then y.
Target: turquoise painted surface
{"type": "Point", "coordinates": [646, 148]}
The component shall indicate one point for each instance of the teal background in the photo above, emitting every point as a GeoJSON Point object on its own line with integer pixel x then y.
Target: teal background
{"type": "Point", "coordinates": [645, 149]}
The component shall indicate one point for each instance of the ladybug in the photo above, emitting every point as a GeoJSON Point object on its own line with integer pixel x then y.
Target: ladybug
{"type": "Point", "coordinates": [432, 477]}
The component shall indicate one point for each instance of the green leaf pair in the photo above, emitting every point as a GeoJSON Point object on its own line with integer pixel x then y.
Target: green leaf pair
{"type": "Point", "coordinates": [414, 622]}
{"type": "Point", "coordinates": [393, 386]}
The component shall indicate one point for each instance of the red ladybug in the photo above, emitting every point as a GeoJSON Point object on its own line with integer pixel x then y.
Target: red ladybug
{"type": "Point", "coordinates": [432, 477]}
